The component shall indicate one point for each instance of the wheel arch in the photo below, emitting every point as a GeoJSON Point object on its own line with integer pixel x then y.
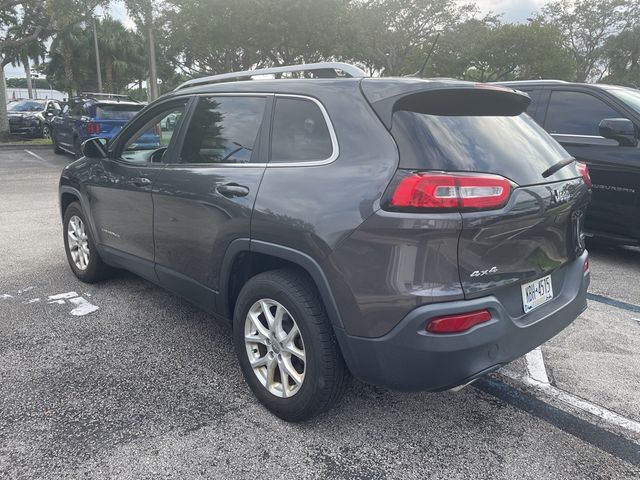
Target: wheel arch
{"type": "Point", "coordinates": [246, 258]}
{"type": "Point", "coordinates": [68, 195]}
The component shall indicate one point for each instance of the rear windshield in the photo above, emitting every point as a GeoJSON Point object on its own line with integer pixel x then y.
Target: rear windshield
{"type": "Point", "coordinates": [117, 112]}
{"type": "Point", "coordinates": [515, 147]}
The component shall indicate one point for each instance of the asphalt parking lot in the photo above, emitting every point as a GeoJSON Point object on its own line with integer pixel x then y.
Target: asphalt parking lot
{"type": "Point", "coordinates": [147, 386]}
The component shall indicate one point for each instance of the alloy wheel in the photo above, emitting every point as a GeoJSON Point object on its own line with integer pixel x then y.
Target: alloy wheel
{"type": "Point", "coordinates": [78, 242]}
{"type": "Point", "coordinates": [275, 348]}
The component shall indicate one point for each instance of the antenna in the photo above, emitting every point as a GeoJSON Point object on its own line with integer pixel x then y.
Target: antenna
{"type": "Point", "coordinates": [424, 65]}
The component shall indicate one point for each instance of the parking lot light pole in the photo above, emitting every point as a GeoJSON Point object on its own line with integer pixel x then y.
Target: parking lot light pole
{"type": "Point", "coordinates": [95, 43]}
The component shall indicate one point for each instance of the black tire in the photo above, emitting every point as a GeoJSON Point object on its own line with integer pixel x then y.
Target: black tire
{"type": "Point", "coordinates": [56, 149]}
{"type": "Point", "coordinates": [96, 269]}
{"type": "Point", "coordinates": [46, 131]}
{"type": "Point", "coordinates": [325, 375]}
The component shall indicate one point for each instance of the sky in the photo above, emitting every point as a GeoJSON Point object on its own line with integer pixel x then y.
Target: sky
{"type": "Point", "coordinates": [512, 10]}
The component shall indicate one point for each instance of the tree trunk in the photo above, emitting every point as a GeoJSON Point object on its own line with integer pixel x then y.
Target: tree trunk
{"type": "Point", "coordinates": [108, 75]}
{"type": "Point", "coordinates": [67, 59]}
{"type": "Point", "coordinates": [4, 116]}
{"type": "Point", "coordinates": [27, 73]}
{"type": "Point", "coordinates": [153, 73]}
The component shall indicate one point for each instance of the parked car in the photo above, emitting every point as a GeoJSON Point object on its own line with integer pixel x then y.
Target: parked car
{"type": "Point", "coordinates": [30, 117]}
{"type": "Point", "coordinates": [95, 115]}
{"type": "Point", "coordinates": [599, 125]}
{"type": "Point", "coordinates": [415, 234]}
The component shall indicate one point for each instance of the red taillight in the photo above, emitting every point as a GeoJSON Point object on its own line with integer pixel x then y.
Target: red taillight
{"type": "Point", "coordinates": [586, 265]}
{"type": "Point", "coordinates": [93, 128]}
{"type": "Point", "coordinates": [584, 171]}
{"type": "Point", "coordinates": [459, 322]}
{"type": "Point", "coordinates": [451, 191]}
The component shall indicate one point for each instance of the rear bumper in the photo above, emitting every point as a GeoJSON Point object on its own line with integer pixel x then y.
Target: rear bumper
{"type": "Point", "coordinates": [410, 358]}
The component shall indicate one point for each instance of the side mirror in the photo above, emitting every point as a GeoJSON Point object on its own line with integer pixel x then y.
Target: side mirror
{"type": "Point", "coordinates": [620, 129]}
{"type": "Point", "coordinates": [95, 148]}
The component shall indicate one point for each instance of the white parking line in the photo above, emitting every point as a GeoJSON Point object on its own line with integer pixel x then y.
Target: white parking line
{"type": "Point", "coordinates": [537, 377]}
{"type": "Point", "coordinates": [34, 155]}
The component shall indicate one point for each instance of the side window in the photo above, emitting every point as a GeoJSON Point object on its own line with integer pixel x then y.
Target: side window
{"type": "Point", "coordinates": [576, 113]}
{"type": "Point", "coordinates": [224, 130]}
{"type": "Point", "coordinates": [300, 133]}
{"type": "Point", "coordinates": [65, 110]}
{"type": "Point", "coordinates": [155, 133]}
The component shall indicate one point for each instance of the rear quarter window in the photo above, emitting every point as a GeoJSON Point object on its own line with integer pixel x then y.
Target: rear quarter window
{"type": "Point", "coordinates": [515, 147]}
{"type": "Point", "coordinates": [300, 132]}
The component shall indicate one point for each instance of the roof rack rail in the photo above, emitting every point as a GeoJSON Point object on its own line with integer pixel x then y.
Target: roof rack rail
{"type": "Point", "coordinates": [529, 81]}
{"type": "Point", "coordinates": [112, 96]}
{"type": "Point", "coordinates": [322, 70]}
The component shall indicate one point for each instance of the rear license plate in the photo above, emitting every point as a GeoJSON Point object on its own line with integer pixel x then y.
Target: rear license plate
{"type": "Point", "coordinates": [536, 293]}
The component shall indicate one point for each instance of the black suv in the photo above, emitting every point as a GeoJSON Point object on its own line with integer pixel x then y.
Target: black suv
{"type": "Point", "coordinates": [31, 117]}
{"type": "Point", "coordinates": [415, 234]}
{"type": "Point", "coordinates": [599, 125]}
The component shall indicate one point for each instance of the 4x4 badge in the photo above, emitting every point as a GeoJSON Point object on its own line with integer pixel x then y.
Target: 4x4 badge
{"type": "Point", "coordinates": [482, 273]}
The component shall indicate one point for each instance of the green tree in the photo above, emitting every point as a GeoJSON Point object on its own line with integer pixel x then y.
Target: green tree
{"type": "Point", "coordinates": [23, 22]}
{"type": "Point", "coordinates": [586, 25]}
{"type": "Point", "coordinates": [392, 36]}
{"type": "Point", "coordinates": [622, 53]}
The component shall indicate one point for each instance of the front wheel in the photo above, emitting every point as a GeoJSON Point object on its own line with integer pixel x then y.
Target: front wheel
{"type": "Point", "coordinates": [286, 346]}
{"type": "Point", "coordinates": [84, 260]}
{"type": "Point", "coordinates": [46, 131]}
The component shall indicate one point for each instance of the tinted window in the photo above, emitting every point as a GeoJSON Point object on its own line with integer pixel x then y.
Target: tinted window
{"type": "Point", "coordinates": [116, 112]}
{"type": "Point", "coordinates": [513, 146]}
{"type": "Point", "coordinates": [576, 113]}
{"type": "Point", "coordinates": [300, 133]}
{"type": "Point", "coordinates": [223, 130]}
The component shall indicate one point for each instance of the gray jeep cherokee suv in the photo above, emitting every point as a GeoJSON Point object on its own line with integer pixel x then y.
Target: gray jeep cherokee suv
{"type": "Point", "coordinates": [413, 233]}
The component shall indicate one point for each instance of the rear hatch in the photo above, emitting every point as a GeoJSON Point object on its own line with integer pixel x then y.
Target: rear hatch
{"type": "Point", "coordinates": [470, 149]}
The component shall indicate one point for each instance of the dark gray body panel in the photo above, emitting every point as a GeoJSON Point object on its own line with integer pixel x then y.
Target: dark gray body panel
{"type": "Point", "coordinates": [373, 269]}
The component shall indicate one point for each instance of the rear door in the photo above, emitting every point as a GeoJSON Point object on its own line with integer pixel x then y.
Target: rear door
{"type": "Point", "coordinates": [536, 229]}
{"type": "Point", "coordinates": [204, 199]}
{"type": "Point", "coordinates": [572, 117]}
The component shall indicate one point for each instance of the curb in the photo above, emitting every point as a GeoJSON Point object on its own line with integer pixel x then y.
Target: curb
{"type": "Point", "coordinates": [18, 146]}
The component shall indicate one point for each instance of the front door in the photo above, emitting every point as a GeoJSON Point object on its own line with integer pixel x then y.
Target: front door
{"type": "Point", "coordinates": [573, 118]}
{"type": "Point", "coordinates": [120, 193]}
{"type": "Point", "coordinates": [204, 200]}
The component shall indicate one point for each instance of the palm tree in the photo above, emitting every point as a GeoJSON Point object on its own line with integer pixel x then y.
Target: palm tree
{"type": "Point", "coordinates": [34, 50]}
{"type": "Point", "coordinates": [121, 53]}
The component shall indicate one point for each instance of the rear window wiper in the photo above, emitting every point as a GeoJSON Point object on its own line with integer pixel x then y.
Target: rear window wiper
{"type": "Point", "coordinates": [554, 168]}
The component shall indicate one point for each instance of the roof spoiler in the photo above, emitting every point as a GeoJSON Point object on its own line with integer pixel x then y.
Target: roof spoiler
{"type": "Point", "coordinates": [443, 98]}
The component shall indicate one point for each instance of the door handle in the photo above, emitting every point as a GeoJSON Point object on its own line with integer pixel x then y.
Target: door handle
{"type": "Point", "coordinates": [141, 181]}
{"type": "Point", "coordinates": [231, 190]}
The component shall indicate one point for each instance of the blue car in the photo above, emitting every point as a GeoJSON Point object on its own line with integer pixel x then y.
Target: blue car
{"type": "Point", "coordinates": [96, 115]}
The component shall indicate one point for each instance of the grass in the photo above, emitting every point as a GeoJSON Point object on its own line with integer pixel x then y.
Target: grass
{"type": "Point", "coordinates": [26, 141]}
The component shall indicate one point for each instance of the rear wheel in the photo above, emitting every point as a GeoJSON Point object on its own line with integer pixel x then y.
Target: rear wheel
{"type": "Point", "coordinates": [286, 347]}
{"type": "Point", "coordinates": [84, 260]}
{"type": "Point", "coordinates": [46, 131]}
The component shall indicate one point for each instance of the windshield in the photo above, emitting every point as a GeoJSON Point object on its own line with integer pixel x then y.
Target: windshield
{"type": "Point", "coordinates": [117, 112]}
{"type": "Point", "coordinates": [629, 96]}
{"type": "Point", "coordinates": [26, 106]}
